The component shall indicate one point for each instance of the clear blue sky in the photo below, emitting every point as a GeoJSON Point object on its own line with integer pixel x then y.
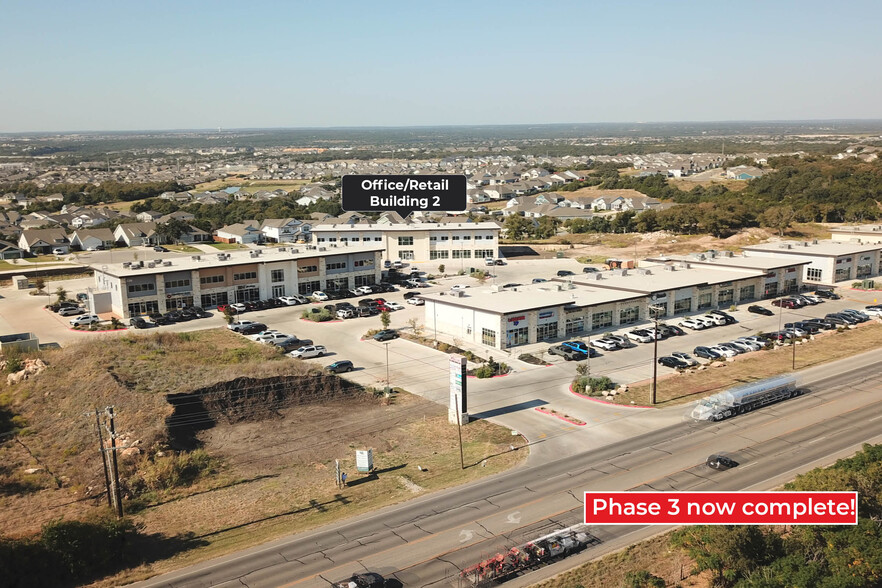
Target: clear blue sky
{"type": "Point", "coordinates": [168, 64]}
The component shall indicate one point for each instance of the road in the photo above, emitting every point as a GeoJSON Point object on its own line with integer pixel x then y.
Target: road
{"type": "Point", "coordinates": [426, 541]}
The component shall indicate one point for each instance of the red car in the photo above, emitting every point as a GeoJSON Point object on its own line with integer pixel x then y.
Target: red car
{"type": "Point", "coordinates": [785, 303]}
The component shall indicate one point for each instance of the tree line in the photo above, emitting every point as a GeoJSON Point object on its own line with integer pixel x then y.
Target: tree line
{"type": "Point", "coordinates": [91, 194]}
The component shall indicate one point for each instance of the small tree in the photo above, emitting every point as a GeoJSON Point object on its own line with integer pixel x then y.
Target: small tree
{"type": "Point", "coordinates": [39, 283]}
{"type": "Point", "coordinates": [415, 326]}
{"type": "Point", "coordinates": [441, 268]}
{"type": "Point", "coordinates": [228, 315]}
{"type": "Point", "coordinates": [385, 319]}
{"type": "Point", "coordinates": [61, 293]}
{"type": "Point", "coordinates": [583, 369]}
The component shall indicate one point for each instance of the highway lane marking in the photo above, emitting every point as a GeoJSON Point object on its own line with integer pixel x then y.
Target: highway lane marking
{"type": "Point", "coordinates": [816, 440]}
{"type": "Point", "coordinates": [875, 418]}
{"type": "Point", "coordinates": [466, 535]}
{"type": "Point", "coordinates": [514, 518]}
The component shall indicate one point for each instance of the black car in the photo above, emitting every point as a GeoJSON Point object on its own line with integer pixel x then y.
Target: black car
{"type": "Point", "coordinates": [820, 323]}
{"type": "Point", "coordinates": [367, 302]}
{"type": "Point", "coordinates": [564, 273]}
{"type": "Point", "coordinates": [252, 329]}
{"type": "Point", "coordinates": [511, 285]}
{"type": "Point", "coordinates": [200, 312]}
{"type": "Point", "coordinates": [138, 323]}
{"type": "Point", "coordinates": [721, 462]}
{"type": "Point", "coordinates": [159, 319]}
{"type": "Point", "coordinates": [342, 305]}
{"type": "Point", "coordinates": [568, 353]}
{"type": "Point", "coordinates": [409, 295]}
{"type": "Point", "coordinates": [840, 318]}
{"type": "Point", "coordinates": [292, 343]}
{"type": "Point", "coordinates": [330, 308]}
{"type": "Point", "coordinates": [755, 309]}
{"type": "Point", "coordinates": [810, 328]}
{"type": "Point", "coordinates": [828, 294]}
{"type": "Point", "coordinates": [386, 335]}
{"type": "Point", "coordinates": [387, 287]}
{"type": "Point", "coordinates": [589, 270]}
{"type": "Point", "coordinates": [539, 280]}
{"type": "Point", "coordinates": [672, 362]}
{"type": "Point", "coordinates": [338, 367]}
{"type": "Point", "coordinates": [66, 304]}
{"type": "Point", "coordinates": [705, 352]}
{"type": "Point", "coordinates": [160, 248]}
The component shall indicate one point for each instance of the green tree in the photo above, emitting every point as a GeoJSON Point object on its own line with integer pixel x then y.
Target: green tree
{"type": "Point", "coordinates": [441, 268]}
{"type": "Point", "coordinates": [517, 227]}
{"type": "Point", "coordinates": [39, 284]}
{"type": "Point", "coordinates": [385, 319]}
{"type": "Point", "coordinates": [546, 227]}
{"type": "Point", "coordinates": [730, 553]}
{"type": "Point", "coordinates": [779, 218]}
{"type": "Point", "coordinates": [61, 294]}
{"type": "Point", "coordinates": [643, 579]}
{"type": "Point", "coordinates": [172, 230]}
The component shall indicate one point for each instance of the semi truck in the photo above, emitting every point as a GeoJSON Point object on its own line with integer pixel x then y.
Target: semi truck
{"type": "Point", "coordinates": [745, 398]}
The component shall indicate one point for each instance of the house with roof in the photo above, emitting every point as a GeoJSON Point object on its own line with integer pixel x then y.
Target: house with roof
{"type": "Point", "coordinates": [744, 172]}
{"type": "Point", "coordinates": [92, 239]}
{"type": "Point", "coordinates": [10, 251]}
{"type": "Point", "coordinates": [181, 215]}
{"type": "Point", "coordinates": [135, 234]}
{"type": "Point", "coordinates": [43, 241]}
{"type": "Point", "coordinates": [285, 230]}
{"type": "Point", "coordinates": [247, 231]}
{"type": "Point", "coordinates": [148, 216]}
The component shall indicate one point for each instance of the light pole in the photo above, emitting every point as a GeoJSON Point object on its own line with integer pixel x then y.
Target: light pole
{"type": "Point", "coordinates": [387, 363]}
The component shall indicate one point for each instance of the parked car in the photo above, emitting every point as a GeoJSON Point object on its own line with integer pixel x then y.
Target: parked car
{"type": "Point", "coordinates": [705, 352]}
{"type": "Point", "coordinates": [138, 322]}
{"type": "Point", "coordinates": [320, 296]}
{"type": "Point", "coordinates": [736, 349]}
{"type": "Point", "coordinates": [539, 280]}
{"type": "Point", "coordinates": [363, 290]}
{"type": "Point", "coordinates": [339, 367]}
{"type": "Point", "coordinates": [511, 285]}
{"type": "Point", "coordinates": [622, 342]}
{"type": "Point", "coordinates": [238, 307]}
{"type": "Point", "coordinates": [416, 301]}
{"type": "Point", "coordinates": [386, 335]}
{"type": "Point", "coordinates": [409, 295]}
{"type": "Point", "coordinates": [640, 335]}
{"type": "Point", "coordinates": [723, 351]}
{"type": "Point", "coordinates": [589, 270]}
{"type": "Point", "coordinates": [714, 319]}
{"type": "Point", "coordinates": [160, 248]}
{"type": "Point", "coordinates": [160, 319]}
{"type": "Point", "coordinates": [672, 362]}
{"type": "Point", "coordinates": [57, 307]}
{"type": "Point", "coordinates": [86, 319]}
{"type": "Point", "coordinates": [730, 320]}
{"type": "Point", "coordinates": [237, 326]}
{"type": "Point", "coordinates": [692, 324]}
{"type": "Point", "coordinates": [862, 317]}
{"type": "Point", "coordinates": [309, 351]}
{"type": "Point", "coordinates": [289, 300]}
{"type": "Point", "coordinates": [828, 294]}
{"type": "Point", "coordinates": [565, 273]}
{"type": "Point", "coordinates": [807, 299]}
{"type": "Point", "coordinates": [743, 346]}
{"type": "Point", "coordinates": [459, 286]}
{"type": "Point", "coordinates": [843, 317]}
{"type": "Point", "coordinates": [684, 357]}
{"type": "Point", "coordinates": [605, 344]}
{"type": "Point", "coordinates": [785, 303]}
{"type": "Point", "coordinates": [499, 261]}
{"type": "Point", "coordinates": [345, 313]}
{"type": "Point", "coordinates": [720, 462]}
{"type": "Point", "coordinates": [873, 311]}
{"type": "Point", "coordinates": [394, 306]}
{"type": "Point", "coordinates": [755, 309]}
{"type": "Point", "coordinates": [363, 311]}
{"type": "Point", "coordinates": [270, 336]}
{"type": "Point", "coordinates": [252, 329]}
{"type": "Point", "coordinates": [581, 347]}
{"type": "Point", "coordinates": [71, 311]}
{"type": "Point", "coordinates": [670, 330]}
{"type": "Point", "coordinates": [821, 323]}
{"type": "Point", "coordinates": [292, 343]}
{"type": "Point", "coordinates": [567, 352]}
{"type": "Point", "coordinates": [813, 299]}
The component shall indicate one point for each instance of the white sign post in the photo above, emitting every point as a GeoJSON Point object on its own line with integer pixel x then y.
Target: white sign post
{"type": "Point", "coordinates": [457, 412]}
{"type": "Point", "coordinates": [364, 460]}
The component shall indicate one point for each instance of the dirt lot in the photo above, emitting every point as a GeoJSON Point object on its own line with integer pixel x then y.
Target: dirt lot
{"type": "Point", "coordinates": [270, 426]}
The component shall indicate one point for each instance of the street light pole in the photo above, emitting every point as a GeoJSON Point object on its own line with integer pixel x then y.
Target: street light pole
{"type": "Point", "coordinates": [387, 363]}
{"type": "Point", "coordinates": [654, 310]}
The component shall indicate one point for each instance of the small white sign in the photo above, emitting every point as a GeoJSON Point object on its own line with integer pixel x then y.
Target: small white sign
{"type": "Point", "coordinates": [364, 460]}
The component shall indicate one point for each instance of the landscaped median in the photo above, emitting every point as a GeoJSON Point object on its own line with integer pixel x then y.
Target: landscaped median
{"type": "Point", "coordinates": [679, 388]}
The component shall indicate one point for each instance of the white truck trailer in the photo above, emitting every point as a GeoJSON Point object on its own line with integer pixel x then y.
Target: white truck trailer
{"type": "Point", "coordinates": [745, 398]}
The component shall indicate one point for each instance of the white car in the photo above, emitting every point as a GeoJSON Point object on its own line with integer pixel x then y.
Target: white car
{"type": "Point", "coordinates": [364, 290]}
{"type": "Point", "coordinates": [263, 335]}
{"type": "Point", "coordinates": [345, 313]}
{"type": "Point", "coordinates": [745, 346]}
{"type": "Point", "coordinates": [489, 261]}
{"type": "Point", "coordinates": [320, 296]}
{"type": "Point", "coordinates": [753, 340]}
{"type": "Point", "coordinates": [71, 311]}
{"type": "Point", "coordinates": [605, 344]}
{"type": "Point", "coordinates": [416, 301]}
{"type": "Point", "coordinates": [724, 351]}
{"type": "Point", "coordinates": [459, 286]}
{"type": "Point", "coordinates": [309, 351]}
{"type": "Point", "coordinates": [59, 251]}
{"type": "Point", "coordinates": [238, 307]}
{"type": "Point", "coordinates": [812, 298]}
{"type": "Point", "coordinates": [692, 324]}
{"type": "Point", "coordinates": [289, 300]}
{"type": "Point", "coordinates": [239, 325]}
{"type": "Point", "coordinates": [713, 318]}
{"type": "Point", "coordinates": [873, 311]}
{"type": "Point", "coordinates": [639, 336]}
{"type": "Point", "coordinates": [86, 319]}
{"type": "Point", "coordinates": [394, 305]}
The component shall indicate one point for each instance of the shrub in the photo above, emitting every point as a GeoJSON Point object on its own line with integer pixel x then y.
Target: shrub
{"type": "Point", "coordinates": [443, 347]}
{"type": "Point", "coordinates": [485, 371]}
{"type": "Point", "coordinates": [174, 471]}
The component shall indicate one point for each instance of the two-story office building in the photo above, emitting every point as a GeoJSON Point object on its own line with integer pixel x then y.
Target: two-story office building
{"type": "Point", "coordinates": [446, 242]}
{"type": "Point", "coordinates": [826, 262]}
{"type": "Point", "coordinates": [137, 288]}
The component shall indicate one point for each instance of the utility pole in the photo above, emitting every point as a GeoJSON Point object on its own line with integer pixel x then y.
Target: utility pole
{"type": "Point", "coordinates": [459, 430]}
{"type": "Point", "coordinates": [103, 457]}
{"type": "Point", "coordinates": [117, 494]}
{"type": "Point", "coordinates": [387, 363]}
{"type": "Point", "coordinates": [654, 310]}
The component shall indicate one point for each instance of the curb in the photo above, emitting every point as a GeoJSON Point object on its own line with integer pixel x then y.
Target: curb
{"type": "Point", "coordinates": [599, 401]}
{"type": "Point", "coordinates": [99, 331]}
{"type": "Point", "coordinates": [499, 376]}
{"type": "Point", "coordinates": [543, 411]}
{"type": "Point", "coordinates": [320, 322]}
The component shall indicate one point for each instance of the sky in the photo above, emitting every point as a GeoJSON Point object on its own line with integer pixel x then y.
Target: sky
{"type": "Point", "coordinates": [168, 64]}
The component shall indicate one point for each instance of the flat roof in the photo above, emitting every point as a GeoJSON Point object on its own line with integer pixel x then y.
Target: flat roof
{"type": "Point", "coordinates": [532, 297]}
{"type": "Point", "coordinates": [821, 249]}
{"type": "Point", "coordinates": [660, 279]}
{"type": "Point", "coordinates": [398, 227]}
{"type": "Point", "coordinates": [241, 257]}
{"type": "Point", "coordinates": [875, 230]}
{"type": "Point", "coordinates": [746, 262]}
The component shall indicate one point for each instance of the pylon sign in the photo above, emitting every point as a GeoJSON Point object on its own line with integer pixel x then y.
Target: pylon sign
{"type": "Point", "coordinates": [458, 409]}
